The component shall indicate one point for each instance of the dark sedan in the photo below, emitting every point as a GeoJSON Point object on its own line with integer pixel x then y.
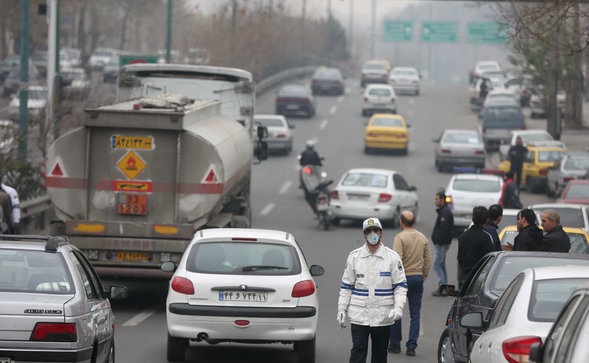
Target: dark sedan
{"type": "Point", "coordinates": [295, 99]}
{"type": "Point", "coordinates": [483, 288]}
{"type": "Point", "coordinates": [328, 81]}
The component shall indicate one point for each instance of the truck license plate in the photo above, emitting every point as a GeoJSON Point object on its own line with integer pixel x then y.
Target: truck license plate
{"type": "Point", "coordinates": [130, 256]}
{"type": "Point", "coordinates": [132, 204]}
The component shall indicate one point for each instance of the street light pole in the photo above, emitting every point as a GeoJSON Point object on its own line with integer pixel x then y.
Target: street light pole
{"type": "Point", "coordinates": [24, 80]}
{"type": "Point", "coordinates": [169, 32]}
{"type": "Point", "coordinates": [373, 29]}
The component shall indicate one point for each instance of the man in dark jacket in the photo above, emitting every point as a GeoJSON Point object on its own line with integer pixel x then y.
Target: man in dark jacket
{"type": "Point", "coordinates": [442, 237]}
{"type": "Point", "coordinates": [529, 237]}
{"type": "Point", "coordinates": [516, 155]}
{"type": "Point", "coordinates": [473, 244]}
{"type": "Point", "coordinates": [495, 216]}
{"type": "Point", "coordinates": [555, 238]}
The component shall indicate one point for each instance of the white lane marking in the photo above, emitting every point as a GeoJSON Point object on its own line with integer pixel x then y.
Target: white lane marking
{"type": "Point", "coordinates": [137, 319]}
{"type": "Point", "coordinates": [267, 209]}
{"type": "Point", "coordinates": [332, 110]}
{"type": "Point", "coordinates": [285, 186]}
{"type": "Point", "coordinates": [323, 124]}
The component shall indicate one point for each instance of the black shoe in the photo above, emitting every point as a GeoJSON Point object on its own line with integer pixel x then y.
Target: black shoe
{"type": "Point", "coordinates": [410, 352]}
{"type": "Point", "coordinates": [439, 292]}
{"type": "Point", "coordinates": [394, 350]}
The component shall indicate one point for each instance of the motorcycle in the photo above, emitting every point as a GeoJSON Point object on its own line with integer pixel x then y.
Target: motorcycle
{"type": "Point", "coordinates": [320, 201]}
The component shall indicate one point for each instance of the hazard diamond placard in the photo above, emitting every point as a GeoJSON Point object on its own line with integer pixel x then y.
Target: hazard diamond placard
{"type": "Point", "coordinates": [131, 164]}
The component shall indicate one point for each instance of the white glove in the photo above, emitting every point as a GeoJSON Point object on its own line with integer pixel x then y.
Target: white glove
{"type": "Point", "coordinates": [395, 314]}
{"type": "Point", "coordinates": [341, 318]}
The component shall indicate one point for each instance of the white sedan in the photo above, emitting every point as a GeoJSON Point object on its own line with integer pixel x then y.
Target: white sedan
{"type": "Point", "coordinates": [524, 314]}
{"type": "Point", "coordinates": [379, 98]}
{"type": "Point", "coordinates": [466, 191]}
{"type": "Point", "coordinates": [380, 193]}
{"type": "Point", "coordinates": [245, 286]}
{"type": "Point", "coordinates": [279, 132]}
{"type": "Point", "coordinates": [405, 79]}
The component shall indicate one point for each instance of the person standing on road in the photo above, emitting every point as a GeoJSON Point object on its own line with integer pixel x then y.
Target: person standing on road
{"type": "Point", "coordinates": [473, 244]}
{"type": "Point", "coordinates": [510, 193]}
{"type": "Point", "coordinates": [441, 238]}
{"type": "Point", "coordinates": [529, 237]}
{"type": "Point", "coordinates": [414, 250]}
{"type": "Point", "coordinates": [495, 216]}
{"type": "Point", "coordinates": [555, 238]}
{"type": "Point", "coordinates": [516, 155]}
{"type": "Point", "coordinates": [372, 294]}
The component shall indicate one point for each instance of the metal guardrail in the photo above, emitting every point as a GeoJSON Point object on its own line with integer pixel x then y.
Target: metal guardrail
{"type": "Point", "coordinates": [42, 203]}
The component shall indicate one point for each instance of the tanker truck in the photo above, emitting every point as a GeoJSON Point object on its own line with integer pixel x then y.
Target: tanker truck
{"type": "Point", "coordinates": [132, 185]}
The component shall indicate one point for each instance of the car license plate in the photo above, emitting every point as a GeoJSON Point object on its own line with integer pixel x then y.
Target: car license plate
{"type": "Point", "coordinates": [248, 296]}
{"type": "Point", "coordinates": [132, 204]}
{"type": "Point", "coordinates": [356, 197]}
{"type": "Point", "coordinates": [322, 206]}
{"type": "Point", "coordinates": [6, 360]}
{"type": "Point", "coordinates": [292, 107]}
{"type": "Point", "coordinates": [130, 256]}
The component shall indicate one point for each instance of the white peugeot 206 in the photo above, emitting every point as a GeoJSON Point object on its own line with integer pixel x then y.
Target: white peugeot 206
{"type": "Point", "coordinates": [242, 285]}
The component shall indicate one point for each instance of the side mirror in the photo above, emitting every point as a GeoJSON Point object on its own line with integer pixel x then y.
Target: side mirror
{"type": "Point", "coordinates": [291, 126]}
{"type": "Point", "coordinates": [412, 188]}
{"type": "Point", "coordinates": [408, 126]}
{"type": "Point", "coordinates": [472, 321]}
{"type": "Point", "coordinates": [437, 141]}
{"type": "Point", "coordinates": [118, 292]}
{"type": "Point", "coordinates": [536, 352]}
{"type": "Point", "coordinates": [262, 150]}
{"type": "Point", "coordinates": [316, 270]}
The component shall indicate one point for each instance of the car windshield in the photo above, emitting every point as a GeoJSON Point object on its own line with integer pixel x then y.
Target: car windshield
{"type": "Point", "coordinates": [38, 95]}
{"type": "Point", "coordinates": [387, 121]}
{"type": "Point", "coordinates": [548, 297]}
{"type": "Point", "coordinates": [365, 180]}
{"type": "Point", "coordinates": [510, 266]}
{"type": "Point", "coordinates": [293, 90]}
{"type": "Point", "coordinates": [379, 91]}
{"type": "Point", "coordinates": [577, 163]}
{"type": "Point", "coordinates": [527, 138]}
{"type": "Point", "coordinates": [476, 185]}
{"type": "Point", "coordinates": [329, 73]}
{"type": "Point", "coordinates": [404, 72]}
{"type": "Point", "coordinates": [550, 155]}
{"type": "Point", "coordinates": [504, 113]}
{"type": "Point", "coordinates": [34, 271]}
{"type": "Point", "coordinates": [462, 138]}
{"type": "Point", "coordinates": [375, 67]}
{"type": "Point", "coordinates": [579, 243]}
{"type": "Point", "coordinates": [236, 258]}
{"type": "Point", "coordinates": [272, 122]}
{"type": "Point", "coordinates": [578, 191]}
{"type": "Point", "coordinates": [488, 67]}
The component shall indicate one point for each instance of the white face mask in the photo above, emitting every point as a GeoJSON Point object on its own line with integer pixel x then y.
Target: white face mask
{"type": "Point", "coordinates": [372, 238]}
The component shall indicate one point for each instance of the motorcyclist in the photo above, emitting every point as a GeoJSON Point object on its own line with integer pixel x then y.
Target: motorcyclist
{"type": "Point", "coordinates": [484, 90]}
{"type": "Point", "coordinates": [310, 156]}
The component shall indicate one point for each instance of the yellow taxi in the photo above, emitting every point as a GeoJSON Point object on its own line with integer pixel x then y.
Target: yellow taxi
{"type": "Point", "coordinates": [579, 238]}
{"type": "Point", "coordinates": [386, 132]}
{"type": "Point", "coordinates": [541, 157]}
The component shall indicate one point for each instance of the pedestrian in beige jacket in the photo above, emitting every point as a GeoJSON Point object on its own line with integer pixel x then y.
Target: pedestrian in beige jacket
{"type": "Point", "coordinates": [414, 249]}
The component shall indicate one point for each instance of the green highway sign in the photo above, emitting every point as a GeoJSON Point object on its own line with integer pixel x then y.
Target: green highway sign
{"type": "Point", "coordinates": [489, 32]}
{"type": "Point", "coordinates": [439, 31]}
{"type": "Point", "coordinates": [398, 31]}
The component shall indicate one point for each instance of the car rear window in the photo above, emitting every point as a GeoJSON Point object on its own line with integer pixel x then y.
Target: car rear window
{"type": "Point", "coordinates": [548, 297]}
{"type": "Point", "coordinates": [34, 271]}
{"type": "Point", "coordinates": [365, 180]}
{"type": "Point", "coordinates": [551, 155]}
{"type": "Point", "coordinates": [462, 138]}
{"type": "Point", "coordinates": [503, 113]}
{"type": "Point", "coordinates": [387, 121]}
{"type": "Point", "coordinates": [578, 191]}
{"type": "Point", "coordinates": [571, 217]}
{"type": "Point", "coordinates": [579, 243]}
{"type": "Point", "coordinates": [577, 163]}
{"type": "Point", "coordinates": [243, 258]}
{"type": "Point", "coordinates": [380, 91]}
{"type": "Point", "coordinates": [269, 122]}
{"type": "Point", "coordinates": [475, 185]}
{"type": "Point", "coordinates": [510, 266]}
{"type": "Point", "coordinates": [375, 67]}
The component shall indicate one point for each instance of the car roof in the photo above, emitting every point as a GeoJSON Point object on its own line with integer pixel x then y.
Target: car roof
{"type": "Point", "coordinates": [474, 176]}
{"type": "Point", "coordinates": [578, 181]}
{"type": "Point", "coordinates": [370, 171]}
{"type": "Point", "coordinates": [33, 242]}
{"type": "Point", "coordinates": [546, 145]}
{"type": "Point", "coordinates": [387, 115]}
{"type": "Point", "coordinates": [379, 85]}
{"type": "Point", "coordinates": [269, 115]}
{"type": "Point", "coordinates": [502, 102]}
{"type": "Point", "coordinates": [246, 233]}
{"type": "Point", "coordinates": [557, 206]}
{"type": "Point", "coordinates": [557, 272]}
{"type": "Point", "coordinates": [404, 69]}
{"type": "Point", "coordinates": [461, 131]}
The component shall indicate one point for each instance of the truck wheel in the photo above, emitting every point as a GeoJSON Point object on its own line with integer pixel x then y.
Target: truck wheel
{"type": "Point", "coordinates": [305, 351]}
{"type": "Point", "coordinates": [176, 349]}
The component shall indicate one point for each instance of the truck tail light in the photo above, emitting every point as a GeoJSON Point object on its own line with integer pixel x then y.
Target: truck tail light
{"type": "Point", "coordinates": [303, 288]}
{"type": "Point", "coordinates": [384, 197]}
{"type": "Point", "coordinates": [55, 332]}
{"type": "Point", "coordinates": [517, 349]}
{"type": "Point", "coordinates": [182, 285]}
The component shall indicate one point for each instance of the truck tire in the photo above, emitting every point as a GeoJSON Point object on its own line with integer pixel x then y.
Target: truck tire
{"type": "Point", "coordinates": [176, 351]}
{"type": "Point", "coordinates": [305, 351]}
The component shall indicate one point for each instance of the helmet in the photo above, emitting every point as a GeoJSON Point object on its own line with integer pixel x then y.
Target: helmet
{"type": "Point", "coordinates": [310, 144]}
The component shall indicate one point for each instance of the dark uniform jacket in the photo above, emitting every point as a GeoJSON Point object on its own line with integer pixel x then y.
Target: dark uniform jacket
{"type": "Point", "coordinates": [529, 239]}
{"type": "Point", "coordinates": [473, 244]}
{"type": "Point", "coordinates": [557, 240]}
{"type": "Point", "coordinates": [492, 230]}
{"type": "Point", "coordinates": [442, 233]}
{"type": "Point", "coordinates": [310, 157]}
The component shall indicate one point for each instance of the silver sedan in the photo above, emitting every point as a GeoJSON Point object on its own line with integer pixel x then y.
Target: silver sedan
{"type": "Point", "coordinates": [279, 132]}
{"type": "Point", "coordinates": [571, 166]}
{"type": "Point", "coordinates": [459, 148]}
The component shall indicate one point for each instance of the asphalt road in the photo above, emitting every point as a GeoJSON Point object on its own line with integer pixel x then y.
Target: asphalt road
{"type": "Point", "coordinates": [279, 204]}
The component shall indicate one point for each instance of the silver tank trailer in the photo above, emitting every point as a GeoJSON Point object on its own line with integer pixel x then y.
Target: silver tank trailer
{"type": "Point", "coordinates": [133, 184]}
